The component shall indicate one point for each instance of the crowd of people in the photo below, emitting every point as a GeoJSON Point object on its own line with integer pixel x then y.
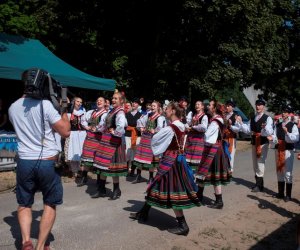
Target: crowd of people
{"type": "Point", "coordinates": [182, 150]}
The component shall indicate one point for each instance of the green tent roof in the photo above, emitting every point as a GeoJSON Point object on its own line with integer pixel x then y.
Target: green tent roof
{"type": "Point", "coordinates": [18, 54]}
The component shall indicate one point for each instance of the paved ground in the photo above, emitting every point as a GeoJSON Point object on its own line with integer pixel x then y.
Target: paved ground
{"type": "Point", "coordinates": [85, 223]}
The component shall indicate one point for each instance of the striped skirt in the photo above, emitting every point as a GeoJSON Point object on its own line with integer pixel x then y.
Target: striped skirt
{"type": "Point", "coordinates": [110, 158]}
{"type": "Point", "coordinates": [194, 148]}
{"type": "Point", "coordinates": [144, 157]}
{"type": "Point", "coordinates": [215, 166]}
{"type": "Point", "coordinates": [90, 146]}
{"type": "Point", "coordinates": [174, 188]}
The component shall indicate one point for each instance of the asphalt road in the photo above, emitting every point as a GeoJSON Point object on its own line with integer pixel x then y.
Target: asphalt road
{"type": "Point", "coordinates": [85, 223]}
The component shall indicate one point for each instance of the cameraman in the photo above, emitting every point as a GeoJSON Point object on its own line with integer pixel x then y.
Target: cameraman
{"type": "Point", "coordinates": [35, 121]}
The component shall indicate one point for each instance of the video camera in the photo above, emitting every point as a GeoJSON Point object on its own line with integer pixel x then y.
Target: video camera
{"type": "Point", "coordinates": [40, 85]}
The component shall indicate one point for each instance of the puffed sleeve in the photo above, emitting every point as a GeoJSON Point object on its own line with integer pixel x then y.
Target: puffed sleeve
{"type": "Point", "coordinates": [211, 134]}
{"type": "Point", "coordinates": [293, 136]}
{"type": "Point", "coordinates": [101, 125]}
{"type": "Point", "coordinates": [202, 127]}
{"type": "Point", "coordinates": [161, 140]}
{"type": "Point", "coordinates": [86, 118]}
{"type": "Point", "coordinates": [121, 123]}
{"type": "Point", "coordinates": [268, 130]}
{"type": "Point", "coordinates": [161, 123]}
{"type": "Point", "coordinates": [141, 122]}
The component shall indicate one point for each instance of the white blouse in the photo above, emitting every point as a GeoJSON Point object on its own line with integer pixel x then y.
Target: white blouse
{"type": "Point", "coordinates": [162, 139]}
{"type": "Point", "coordinates": [212, 132]}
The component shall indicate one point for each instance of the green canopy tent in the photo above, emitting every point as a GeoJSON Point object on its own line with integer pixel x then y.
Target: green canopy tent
{"type": "Point", "coordinates": [18, 54]}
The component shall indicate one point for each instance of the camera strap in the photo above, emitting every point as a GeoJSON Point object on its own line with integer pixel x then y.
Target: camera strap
{"type": "Point", "coordinates": [53, 95]}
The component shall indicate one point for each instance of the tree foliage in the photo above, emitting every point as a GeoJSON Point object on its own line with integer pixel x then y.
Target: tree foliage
{"type": "Point", "coordinates": [171, 48]}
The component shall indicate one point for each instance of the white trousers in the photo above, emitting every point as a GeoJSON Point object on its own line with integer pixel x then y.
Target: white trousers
{"type": "Point", "coordinates": [232, 154]}
{"type": "Point", "coordinates": [259, 163]}
{"type": "Point", "coordinates": [287, 174]}
{"type": "Point", "coordinates": [130, 153]}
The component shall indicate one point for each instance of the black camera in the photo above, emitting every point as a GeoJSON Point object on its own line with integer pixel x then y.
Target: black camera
{"type": "Point", "coordinates": [40, 85]}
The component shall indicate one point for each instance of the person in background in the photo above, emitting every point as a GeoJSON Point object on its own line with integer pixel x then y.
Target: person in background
{"type": "Point", "coordinates": [74, 144]}
{"type": "Point", "coordinates": [195, 136]}
{"type": "Point", "coordinates": [148, 125]}
{"type": "Point", "coordinates": [214, 168]}
{"type": "Point", "coordinates": [285, 135]}
{"type": "Point", "coordinates": [94, 119]}
{"type": "Point", "coordinates": [111, 158]}
{"type": "Point", "coordinates": [230, 133]}
{"type": "Point", "coordinates": [127, 107]}
{"type": "Point", "coordinates": [35, 121]}
{"type": "Point", "coordinates": [188, 114]}
{"type": "Point", "coordinates": [107, 105]}
{"type": "Point", "coordinates": [173, 186]}
{"type": "Point", "coordinates": [261, 127]}
{"type": "Point", "coordinates": [132, 135]}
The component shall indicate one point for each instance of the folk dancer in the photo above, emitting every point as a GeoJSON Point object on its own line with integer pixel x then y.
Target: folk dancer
{"type": "Point", "coordinates": [173, 186]}
{"type": "Point", "coordinates": [194, 145]}
{"type": "Point", "coordinates": [261, 127]}
{"type": "Point", "coordinates": [132, 134]}
{"type": "Point", "coordinates": [214, 168]}
{"type": "Point", "coordinates": [95, 119]}
{"type": "Point", "coordinates": [148, 125]}
{"type": "Point", "coordinates": [285, 135]}
{"type": "Point", "coordinates": [74, 144]}
{"type": "Point", "coordinates": [110, 158]}
{"type": "Point", "coordinates": [230, 133]}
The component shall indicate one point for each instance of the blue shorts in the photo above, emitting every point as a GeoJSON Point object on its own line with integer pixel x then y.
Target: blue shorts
{"type": "Point", "coordinates": [33, 175]}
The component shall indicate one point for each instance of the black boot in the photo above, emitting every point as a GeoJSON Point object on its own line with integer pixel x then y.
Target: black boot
{"type": "Point", "coordinates": [218, 204]}
{"type": "Point", "coordinates": [98, 178]}
{"type": "Point", "coordinates": [181, 229]}
{"type": "Point", "coordinates": [150, 177]}
{"type": "Point", "coordinates": [280, 194]}
{"type": "Point", "coordinates": [200, 193]}
{"type": "Point", "coordinates": [83, 179]}
{"type": "Point", "coordinates": [255, 185]}
{"type": "Point", "coordinates": [259, 185]}
{"type": "Point", "coordinates": [101, 192]}
{"type": "Point", "coordinates": [142, 214]}
{"type": "Point", "coordinates": [131, 174]}
{"type": "Point", "coordinates": [138, 178]}
{"type": "Point", "coordinates": [117, 192]}
{"type": "Point", "coordinates": [288, 196]}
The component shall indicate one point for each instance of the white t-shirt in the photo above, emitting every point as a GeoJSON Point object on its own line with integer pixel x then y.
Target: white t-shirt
{"type": "Point", "coordinates": [25, 115]}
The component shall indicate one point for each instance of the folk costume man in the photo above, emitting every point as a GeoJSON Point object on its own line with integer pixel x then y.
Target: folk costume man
{"type": "Point", "coordinates": [261, 127]}
{"type": "Point", "coordinates": [285, 135]}
{"type": "Point", "coordinates": [231, 130]}
{"type": "Point", "coordinates": [132, 135]}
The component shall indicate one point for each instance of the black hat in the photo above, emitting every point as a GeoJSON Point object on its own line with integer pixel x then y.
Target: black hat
{"type": "Point", "coordinates": [231, 103]}
{"type": "Point", "coordinates": [260, 101]}
{"type": "Point", "coordinates": [137, 100]}
{"type": "Point", "coordinates": [287, 108]}
{"type": "Point", "coordinates": [183, 98]}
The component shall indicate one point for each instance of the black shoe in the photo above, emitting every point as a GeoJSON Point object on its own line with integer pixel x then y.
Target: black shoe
{"type": "Point", "coordinates": [256, 190]}
{"type": "Point", "coordinates": [287, 198]}
{"type": "Point", "coordinates": [139, 216]}
{"type": "Point", "coordinates": [138, 179]}
{"type": "Point", "coordinates": [99, 193]}
{"type": "Point", "coordinates": [217, 205]}
{"type": "Point", "coordinates": [82, 181]}
{"type": "Point", "coordinates": [116, 194]}
{"type": "Point", "coordinates": [279, 196]}
{"type": "Point", "coordinates": [181, 229]}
